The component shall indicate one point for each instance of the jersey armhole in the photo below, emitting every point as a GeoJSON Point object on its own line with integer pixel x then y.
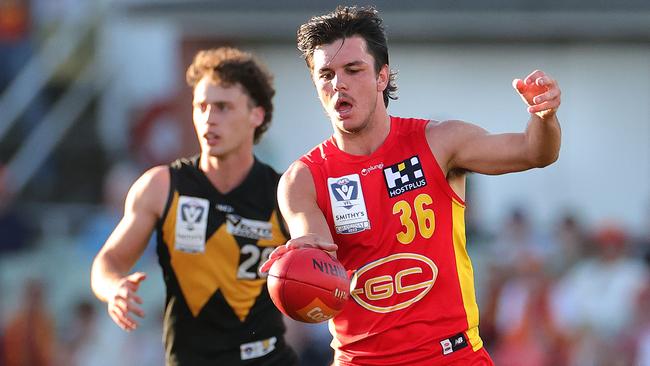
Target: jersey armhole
{"type": "Point", "coordinates": [317, 176]}
{"type": "Point", "coordinates": [438, 174]}
{"type": "Point", "coordinates": [170, 197]}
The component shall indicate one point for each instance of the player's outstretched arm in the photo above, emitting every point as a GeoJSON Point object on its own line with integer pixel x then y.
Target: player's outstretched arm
{"type": "Point", "coordinates": [110, 279]}
{"type": "Point", "coordinates": [461, 145]}
{"type": "Point", "coordinates": [305, 220]}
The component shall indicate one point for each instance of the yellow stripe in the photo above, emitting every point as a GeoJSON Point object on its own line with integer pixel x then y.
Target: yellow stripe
{"type": "Point", "coordinates": [465, 275]}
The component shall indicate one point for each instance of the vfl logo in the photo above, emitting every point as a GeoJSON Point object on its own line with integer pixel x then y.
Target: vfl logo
{"type": "Point", "coordinates": [348, 206]}
{"type": "Point", "coordinates": [345, 191]}
{"type": "Point", "coordinates": [393, 283]}
{"type": "Point", "coordinates": [191, 224]}
{"type": "Point", "coordinates": [191, 214]}
{"type": "Point", "coordinates": [404, 176]}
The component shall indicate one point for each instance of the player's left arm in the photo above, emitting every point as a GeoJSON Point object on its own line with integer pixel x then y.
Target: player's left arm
{"type": "Point", "coordinates": [469, 147]}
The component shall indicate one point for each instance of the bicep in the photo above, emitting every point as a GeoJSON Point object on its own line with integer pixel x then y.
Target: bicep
{"type": "Point", "coordinates": [472, 148]}
{"type": "Point", "coordinates": [297, 201]}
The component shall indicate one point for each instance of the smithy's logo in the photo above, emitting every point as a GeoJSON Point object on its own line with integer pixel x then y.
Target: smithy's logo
{"type": "Point", "coordinates": [404, 176]}
{"type": "Point", "coordinates": [191, 214]}
{"type": "Point", "coordinates": [345, 191]}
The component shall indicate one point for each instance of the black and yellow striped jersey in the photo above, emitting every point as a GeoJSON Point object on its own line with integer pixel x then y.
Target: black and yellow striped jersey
{"type": "Point", "coordinates": [210, 245]}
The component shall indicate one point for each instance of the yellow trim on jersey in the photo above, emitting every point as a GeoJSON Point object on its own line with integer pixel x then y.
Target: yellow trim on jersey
{"type": "Point", "coordinates": [465, 274]}
{"type": "Point", "coordinates": [200, 275]}
{"type": "Point", "coordinates": [275, 233]}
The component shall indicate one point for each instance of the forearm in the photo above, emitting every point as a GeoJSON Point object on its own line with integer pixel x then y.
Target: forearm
{"type": "Point", "coordinates": [543, 136]}
{"type": "Point", "coordinates": [105, 275]}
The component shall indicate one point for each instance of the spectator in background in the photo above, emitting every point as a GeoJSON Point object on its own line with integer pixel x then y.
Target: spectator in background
{"type": "Point", "coordinates": [29, 336]}
{"type": "Point", "coordinates": [568, 245]}
{"type": "Point", "coordinates": [79, 336]}
{"type": "Point", "coordinates": [595, 300]}
{"type": "Point", "coordinates": [528, 333]}
{"type": "Point", "coordinates": [518, 241]}
{"type": "Point", "coordinates": [15, 45]}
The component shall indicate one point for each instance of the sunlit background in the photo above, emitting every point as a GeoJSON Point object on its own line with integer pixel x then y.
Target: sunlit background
{"type": "Point", "coordinates": [92, 93]}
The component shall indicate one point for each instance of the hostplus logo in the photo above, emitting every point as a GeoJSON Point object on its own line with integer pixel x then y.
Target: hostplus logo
{"type": "Point", "coordinates": [404, 176]}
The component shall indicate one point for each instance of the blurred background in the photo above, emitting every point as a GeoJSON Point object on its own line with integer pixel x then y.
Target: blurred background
{"type": "Point", "coordinates": [92, 94]}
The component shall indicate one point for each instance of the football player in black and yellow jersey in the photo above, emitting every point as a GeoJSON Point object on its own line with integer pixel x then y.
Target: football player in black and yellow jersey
{"type": "Point", "coordinates": [216, 220]}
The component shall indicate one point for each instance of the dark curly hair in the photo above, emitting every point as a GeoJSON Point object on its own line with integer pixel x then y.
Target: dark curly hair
{"type": "Point", "coordinates": [345, 22]}
{"type": "Point", "coordinates": [229, 66]}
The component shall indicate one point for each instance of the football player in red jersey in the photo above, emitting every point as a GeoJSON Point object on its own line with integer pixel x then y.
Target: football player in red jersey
{"type": "Point", "coordinates": [389, 191]}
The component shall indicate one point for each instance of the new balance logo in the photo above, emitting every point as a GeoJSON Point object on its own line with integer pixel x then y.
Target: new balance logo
{"type": "Point", "coordinates": [459, 342]}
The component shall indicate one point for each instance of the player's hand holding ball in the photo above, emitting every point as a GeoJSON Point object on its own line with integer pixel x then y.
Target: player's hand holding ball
{"type": "Point", "coordinates": [308, 284]}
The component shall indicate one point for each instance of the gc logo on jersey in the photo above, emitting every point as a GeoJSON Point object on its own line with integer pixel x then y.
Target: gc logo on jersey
{"type": "Point", "coordinates": [404, 176]}
{"type": "Point", "coordinates": [393, 283]}
{"type": "Point", "coordinates": [191, 224]}
{"type": "Point", "coordinates": [348, 206]}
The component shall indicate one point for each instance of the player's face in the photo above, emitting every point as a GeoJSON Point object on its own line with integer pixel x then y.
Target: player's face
{"type": "Point", "coordinates": [347, 84]}
{"type": "Point", "coordinates": [224, 118]}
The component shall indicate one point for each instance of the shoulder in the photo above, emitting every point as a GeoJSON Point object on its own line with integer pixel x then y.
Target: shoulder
{"type": "Point", "coordinates": [298, 173]}
{"type": "Point", "coordinates": [451, 133]}
{"type": "Point", "coordinates": [297, 180]}
{"type": "Point", "coordinates": [150, 191]}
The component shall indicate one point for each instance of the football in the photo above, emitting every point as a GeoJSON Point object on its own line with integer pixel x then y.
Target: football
{"type": "Point", "coordinates": [308, 285]}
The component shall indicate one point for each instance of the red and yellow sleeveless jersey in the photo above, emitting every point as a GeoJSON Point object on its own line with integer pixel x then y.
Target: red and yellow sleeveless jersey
{"type": "Point", "coordinates": [401, 235]}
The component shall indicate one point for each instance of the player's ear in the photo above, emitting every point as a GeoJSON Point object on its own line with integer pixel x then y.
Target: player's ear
{"type": "Point", "coordinates": [257, 116]}
{"type": "Point", "coordinates": [382, 78]}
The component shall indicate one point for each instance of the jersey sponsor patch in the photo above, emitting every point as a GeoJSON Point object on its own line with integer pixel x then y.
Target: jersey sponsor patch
{"type": "Point", "coordinates": [404, 176]}
{"type": "Point", "coordinates": [348, 206]}
{"type": "Point", "coordinates": [453, 344]}
{"type": "Point", "coordinates": [257, 349]}
{"type": "Point", "coordinates": [248, 228]}
{"type": "Point", "coordinates": [191, 224]}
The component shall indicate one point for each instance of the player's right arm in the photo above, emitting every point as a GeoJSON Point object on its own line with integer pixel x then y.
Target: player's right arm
{"type": "Point", "coordinates": [110, 278]}
{"type": "Point", "coordinates": [304, 219]}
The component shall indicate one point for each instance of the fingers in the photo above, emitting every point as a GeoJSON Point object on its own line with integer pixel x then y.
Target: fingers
{"type": "Point", "coordinates": [275, 254]}
{"type": "Point", "coordinates": [518, 84]}
{"type": "Point", "coordinates": [539, 91]}
{"type": "Point", "coordinates": [125, 302]}
{"type": "Point", "coordinates": [297, 243]}
{"type": "Point", "coordinates": [533, 76]}
{"type": "Point", "coordinates": [549, 95]}
{"type": "Point", "coordinates": [136, 277]}
{"type": "Point", "coordinates": [120, 315]}
{"type": "Point", "coordinates": [311, 241]}
{"type": "Point", "coordinates": [542, 107]}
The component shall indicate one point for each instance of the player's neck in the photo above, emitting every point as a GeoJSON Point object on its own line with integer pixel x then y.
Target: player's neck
{"type": "Point", "coordinates": [227, 172]}
{"type": "Point", "coordinates": [368, 140]}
